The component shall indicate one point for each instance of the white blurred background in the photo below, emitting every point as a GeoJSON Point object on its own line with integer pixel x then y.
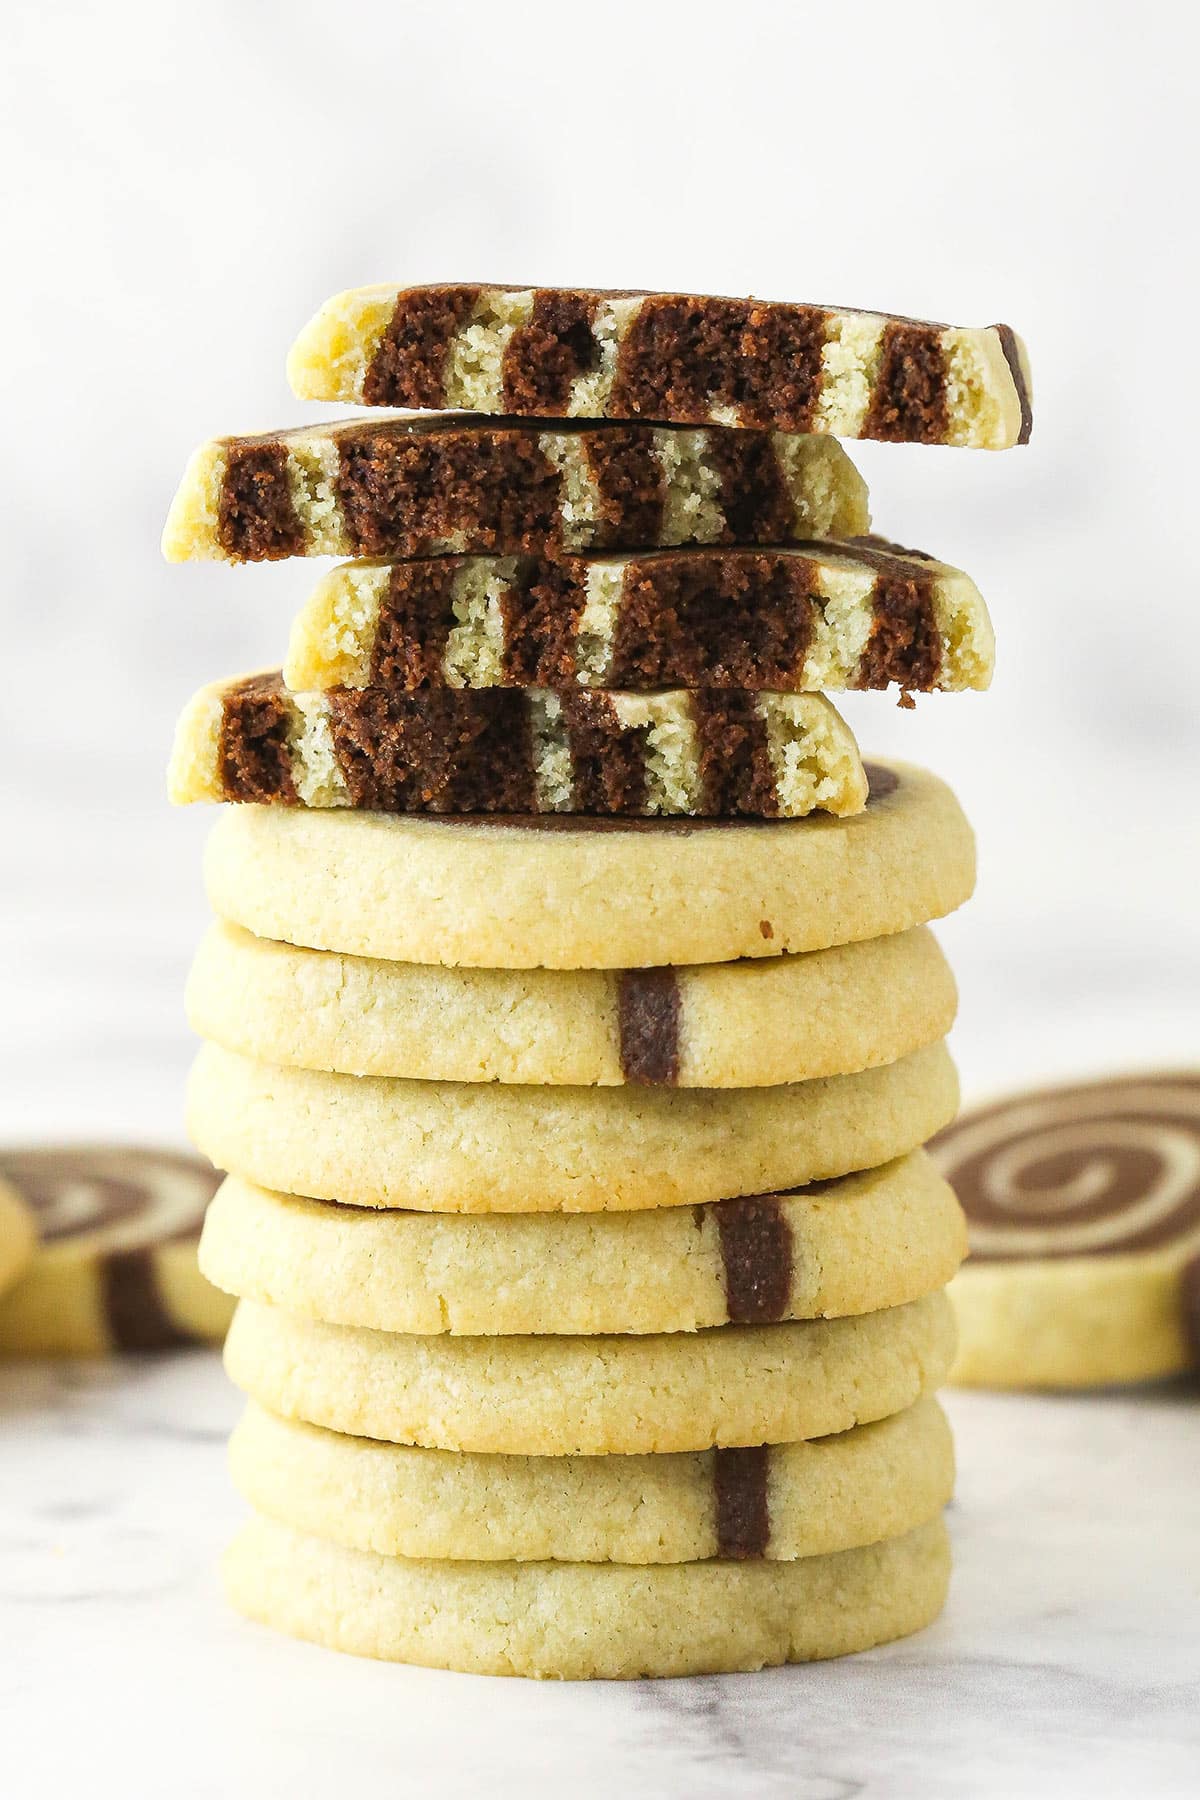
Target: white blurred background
{"type": "Point", "coordinates": [185, 185]}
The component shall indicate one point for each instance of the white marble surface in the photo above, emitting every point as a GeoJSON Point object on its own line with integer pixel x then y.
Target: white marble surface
{"type": "Point", "coordinates": [161, 279]}
{"type": "Point", "coordinates": [1066, 1663]}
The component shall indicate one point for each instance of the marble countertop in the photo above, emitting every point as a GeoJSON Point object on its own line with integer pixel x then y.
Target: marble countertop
{"type": "Point", "coordinates": [1065, 1664]}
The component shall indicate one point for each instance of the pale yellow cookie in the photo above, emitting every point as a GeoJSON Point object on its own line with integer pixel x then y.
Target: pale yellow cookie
{"type": "Point", "coordinates": [18, 1235]}
{"type": "Point", "coordinates": [1083, 1208]}
{"type": "Point", "coordinates": [593, 894]}
{"type": "Point", "coordinates": [776, 1501]}
{"type": "Point", "coordinates": [594, 1396]}
{"type": "Point", "coordinates": [744, 1024]}
{"type": "Point", "coordinates": [576, 1621]}
{"type": "Point", "coordinates": [869, 1241]}
{"type": "Point", "coordinates": [115, 1267]}
{"type": "Point", "coordinates": [468, 1147]}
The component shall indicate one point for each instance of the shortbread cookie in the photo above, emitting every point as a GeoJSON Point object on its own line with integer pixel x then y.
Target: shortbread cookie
{"type": "Point", "coordinates": [862, 615]}
{"type": "Point", "coordinates": [116, 1267]}
{"type": "Point", "coordinates": [584, 353]}
{"type": "Point", "coordinates": [777, 1501]}
{"type": "Point", "coordinates": [18, 1235]}
{"type": "Point", "coordinates": [565, 893]}
{"type": "Point", "coordinates": [744, 1024]}
{"type": "Point", "coordinates": [437, 1146]}
{"type": "Point", "coordinates": [868, 1241]}
{"type": "Point", "coordinates": [593, 1396]}
{"type": "Point", "coordinates": [431, 487]}
{"type": "Point", "coordinates": [508, 750]}
{"type": "Point", "coordinates": [579, 1621]}
{"type": "Point", "coordinates": [1083, 1209]}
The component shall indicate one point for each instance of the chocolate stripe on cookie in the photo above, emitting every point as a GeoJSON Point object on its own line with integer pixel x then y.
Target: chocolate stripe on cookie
{"type": "Point", "coordinates": [409, 367]}
{"type": "Point", "coordinates": [256, 520]}
{"type": "Point", "coordinates": [608, 761]}
{"type": "Point", "coordinates": [908, 400]}
{"type": "Point", "coordinates": [685, 357]}
{"type": "Point", "coordinates": [541, 608]}
{"type": "Point", "coordinates": [132, 1304]}
{"type": "Point", "coordinates": [416, 617]}
{"type": "Point", "coordinates": [743, 1513]}
{"type": "Point", "coordinates": [735, 758]}
{"type": "Point", "coordinates": [881, 781]}
{"type": "Point", "coordinates": [406, 492]}
{"type": "Point", "coordinates": [747, 620]}
{"type": "Point", "coordinates": [545, 356]}
{"type": "Point", "coordinates": [754, 495]}
{"type": "Point", "coordinates": [630, 484]}
{"type": "Point", "coordinates": [756, 1256]}
{"type": "Point", "coordinates": [254, 757]}
{"type": "Point", "coordinates": [648, 1015]}
{"type": "Point", "coordinates": [1012, 356]}
{"type": "Point", "coordinates": [436, 751]}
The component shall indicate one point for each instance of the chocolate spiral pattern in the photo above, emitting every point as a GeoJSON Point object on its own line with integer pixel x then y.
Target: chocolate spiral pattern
{"type": "Point", "coordinates": [1103, 1169]}
{"type": "Point", "coordinates": [122, 1197]}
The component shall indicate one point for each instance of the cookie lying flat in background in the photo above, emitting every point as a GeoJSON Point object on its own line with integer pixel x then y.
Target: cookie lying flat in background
{"type": "Point", "coordinates": [1083, 1214]}
{"type": "Point", "coordinates": [116, 1265]}
{"type": "Point", "coordinates": [18, 1235]}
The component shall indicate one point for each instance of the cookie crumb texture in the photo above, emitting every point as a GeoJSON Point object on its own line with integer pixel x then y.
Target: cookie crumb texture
{"type": "Point", "coordinates": [580, 1621]}
{"type": "Point", "coordinates": [862, 615]}
{"type": "Point", "coordinates": [432, 487]}
{"type": "Point", "coordinates": [746, 1024]}
{"type": "Point", "coordinates": [691, 358]}
{"type": "Point", "coordinates": [464, 1147]}
{"type": "Point", "coordinates": [562, 892]}
{"type": "Point", "coordinates": [832, 1493]}
{"type": "Point", "coordinates": [731, 1387]}
{"type": "Point", "coordinates": [504, 750]}
{"type": "Point", "coordinates": [856, 1245]}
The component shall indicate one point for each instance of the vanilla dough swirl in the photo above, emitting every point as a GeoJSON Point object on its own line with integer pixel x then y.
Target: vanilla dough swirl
{"type": "Point", "coordinates": [1107, 1168]}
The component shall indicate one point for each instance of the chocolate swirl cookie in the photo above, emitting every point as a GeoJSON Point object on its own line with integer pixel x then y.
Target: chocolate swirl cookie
{"type": "Point", "coordinates": [116, 1268]}
{"type": "Point", "coordinates": [1083, 1211]}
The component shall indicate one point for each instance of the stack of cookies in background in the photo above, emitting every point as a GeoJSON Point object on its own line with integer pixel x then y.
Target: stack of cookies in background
{"type": "Point", "coordinates": [573, 1025]}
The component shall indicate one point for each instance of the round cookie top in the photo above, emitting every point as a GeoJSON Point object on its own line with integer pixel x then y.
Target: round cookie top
{"type": "Point", "coordinates": [573, 892]}
{"type": "Point", "coordinates": [1102, 1168]}
{"type": "Point", "coordinates": [105, 1199]}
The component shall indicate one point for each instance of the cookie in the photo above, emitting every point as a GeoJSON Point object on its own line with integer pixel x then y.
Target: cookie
{"type": "Point", "coordinates": [116, 1266]}
{"type": "Point", "coordinates": [429, 487]}
{"type": "Point", "coordinates": [509, 750]}
{"type": "Point", "coordinates": [566, 893]}
{"type": "Point", "coordinates": [465, 1147]}
{"type": "Point", "coordinates": [1083, 1211]}
{"type": "Point", "coordinates": [868, 1241]}
{"type": "Point", "coordinates": [593, 1396]}
{"type": "Point", "coordinates": [778, 1501]}
{"type": "Point", "coordinates": [18, 1235]}
{"type": "Point", "coordinates": [857, 615]}
{"type": "Point", "coordinates": [697, 358]}
{"type": "Point", "coordinates": [578, 1621]}
{"type": "Point", "coordinates": [744, 1024]}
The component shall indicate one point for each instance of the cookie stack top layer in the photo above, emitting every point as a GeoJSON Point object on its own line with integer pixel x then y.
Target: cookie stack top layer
{"type": "Point", "coordinates": [691, 358]}
{"type": "Point", "coordinates": [654, 544]}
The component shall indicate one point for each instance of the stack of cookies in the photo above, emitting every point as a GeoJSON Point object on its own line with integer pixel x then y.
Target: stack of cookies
{"type": "Point", "coordinates": [573, 1024]}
